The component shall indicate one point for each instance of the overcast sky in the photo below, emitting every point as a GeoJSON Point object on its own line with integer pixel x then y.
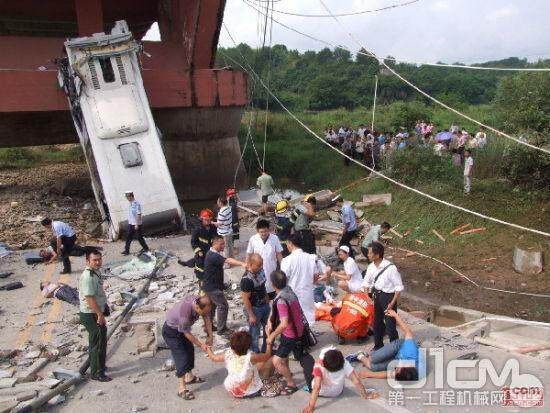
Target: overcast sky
{"type": "Point", "coordinates": [430, 30]}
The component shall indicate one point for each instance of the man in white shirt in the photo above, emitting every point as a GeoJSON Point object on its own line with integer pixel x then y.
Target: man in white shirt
{"type": "Point", "coordinates": [135, 221]}
{"type": "Point", "coordinates": [302, 273]}
{"type": "Point", "coordinates": [224, 224]}
{"type": "Point", "coordinates": [468, 167]}
{"type": "Point", "coordinates": [65, 238]}
{"type": "Point", "coordinates": [270, 249]}
{"type": "Point", "coordinates": [383, 281]}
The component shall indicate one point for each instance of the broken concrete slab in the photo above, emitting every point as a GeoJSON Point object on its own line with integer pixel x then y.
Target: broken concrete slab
{"type": "Point", "coordinates": [334, 216]}
{"type": "Point", "coordinates": [145, 338]}
{"type": "Point", "coordinates": [375, 199]}
{"type": "Point", "coordinates": [528, 262]}
{"type": "Point", "coordinates": [54, 401]}
{"type": "Point", "coordinates": [6, 373]}
{"type": "Point", "coordinates": [7, 382]}
{"type": "Point", "coordinates": [30, 373]}
{"type": "Point", "coordinates": [8, 405]}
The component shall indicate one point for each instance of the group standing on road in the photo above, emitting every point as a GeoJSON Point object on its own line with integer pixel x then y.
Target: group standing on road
{"type": "Point", "coordinates": [280, 274]}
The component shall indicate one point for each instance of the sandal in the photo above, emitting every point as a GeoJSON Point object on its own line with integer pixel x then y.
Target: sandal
{"type": "Point", "coordinates": [196, 379]}
{"type": "Point", "coordinates": [186, 395]}
{"type": "Point", "coordinates": [288, 390]}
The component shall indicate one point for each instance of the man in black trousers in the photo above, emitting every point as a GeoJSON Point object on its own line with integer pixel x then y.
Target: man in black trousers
{"type": "Point", "coordinates": [383, 282]}
{"type": "Point", "coordinates": [134, 224]}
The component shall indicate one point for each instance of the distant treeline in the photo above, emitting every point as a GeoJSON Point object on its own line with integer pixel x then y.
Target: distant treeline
{"type": "Point", "coordinates": [330, 79]}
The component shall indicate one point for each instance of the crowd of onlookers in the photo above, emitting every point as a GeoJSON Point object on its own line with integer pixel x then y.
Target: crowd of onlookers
{"type": "Point", "coordinates": [371, 147]}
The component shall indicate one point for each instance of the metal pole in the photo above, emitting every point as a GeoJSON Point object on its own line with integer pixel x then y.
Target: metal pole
{"type": "Point", "coordinates": [374, 103]}
{"type": "Point", "coordinates": [372, 123]}
{"type": "Point", "coordinates": [40, 401]}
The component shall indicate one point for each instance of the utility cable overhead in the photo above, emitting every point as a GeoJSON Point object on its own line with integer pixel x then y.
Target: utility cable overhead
{"type": "Point", "coordinates": [397, 60]}
{"type": "Point", "coordinates": [355, 13]}
{"type": "Point", "coordinates": [406, 81]}
{"type": "Point", "coordinates": [252, 73]}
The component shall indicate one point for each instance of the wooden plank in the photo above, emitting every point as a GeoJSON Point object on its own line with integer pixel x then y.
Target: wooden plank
{"type": "Point", "coordinates": [248, 210]}
{"type": "Point", "coordinates": [460, 228]}
{"type": "Point", "coordinates": [438, 235]}
{"type": "Point", "coordinates": [473, 231]}
{"type": "Point", "coordinates": [394, 232]}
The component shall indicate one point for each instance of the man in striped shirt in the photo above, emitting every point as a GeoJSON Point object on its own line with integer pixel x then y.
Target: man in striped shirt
{"type": "Point", "coordinates": [224, 223]}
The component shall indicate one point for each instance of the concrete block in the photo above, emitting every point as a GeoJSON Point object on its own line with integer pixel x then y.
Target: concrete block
{"type": "Point", "coordinates": [528, 262]}
{"type": "Point", "coordinates": [6, 373]}
{"type": "Point", "coordinates": [375, 199]}
{"type": "Point", "coordinates": [8, 405]}
{"type": "Point", "coordinates": [8, 382]}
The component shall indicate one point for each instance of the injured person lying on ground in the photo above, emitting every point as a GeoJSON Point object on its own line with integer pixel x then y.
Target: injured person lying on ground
{"type": "Point", "coordinates": [400, 359]}
{"type": "Point", "coordinates": [60, 291]}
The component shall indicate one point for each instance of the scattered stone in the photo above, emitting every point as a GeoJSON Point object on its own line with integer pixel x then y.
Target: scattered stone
{"type": "Point", "coordinates": [33, 354]}
{"type": "Point", "coordinates": [138, 409]}
{"type": "Point", "coordinates": [30, 373]}
{"type": "Point", "coordinates": [6, 373]}
{"type": "Point", "coordinates": [54, 401]}
{"type": "Point", "coordinates": [8, 405]}
{"type": "Point", "coordinates": [168, 295]}
{"type": "Point", "coordinates": [168, 365]}
{"type": "Point", "coordinates": [50, 383]}
{"type": "Point", "coordinates": [7, 382]}
{"type": "Point", "coordinates": [96, 393]}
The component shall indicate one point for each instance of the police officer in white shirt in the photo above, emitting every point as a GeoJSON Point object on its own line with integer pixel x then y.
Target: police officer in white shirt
{"type": "Point", "coordinates": [65, 238]}
{"type": "Point", "coordinates": [134, 224]}
{"type": "Point", "coordinates": [383, 282]}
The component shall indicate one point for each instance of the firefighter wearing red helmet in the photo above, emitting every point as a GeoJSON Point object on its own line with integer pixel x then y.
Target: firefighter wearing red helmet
{"type": "Point", "coordinates": [201, 241]}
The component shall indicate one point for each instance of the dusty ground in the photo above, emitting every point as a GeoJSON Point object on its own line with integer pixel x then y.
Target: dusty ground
{"type": "Point", "coordinates": [27, 320]}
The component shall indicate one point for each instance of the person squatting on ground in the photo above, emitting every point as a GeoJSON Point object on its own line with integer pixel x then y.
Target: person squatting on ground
{"type": "Point", "coordinates": [270, 249]}
{"type": "Point", "coordinates": [176, 332]}
{"type": "Point", "coordinates": [135, 221]}
{"type": "Point", "coordinates": [60, 291]}
{"type": "Point", "coordinates": [329, 375]}
{"type": "Point", "coordinates": [350, 278]}
{"type": "Point", "coordinates": [287, 324]}
{"type": "Point", "coordinates": [65, 239]}
{"type": "Point", "coordinates": [382, 281]}
{"type": "Point", "coordinates": [245, 368]}
{"type": "Point", "coordinates": [93, 310]}
{"type": "Point", "coordinates": [213, 281]}
{"type": "Point", "coordinates": [373, 235]}
{"type": "Point", "coordinates": [256, 304]}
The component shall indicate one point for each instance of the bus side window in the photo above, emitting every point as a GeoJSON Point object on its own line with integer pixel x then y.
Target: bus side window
{"type": "Point", "coordinates": [130, 154]}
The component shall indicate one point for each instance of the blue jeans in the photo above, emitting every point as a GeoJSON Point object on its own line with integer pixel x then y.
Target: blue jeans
{"type": "Point", "coordinates": [262, 315]}
{"type": "Point", "coordinates": [379, 359]}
